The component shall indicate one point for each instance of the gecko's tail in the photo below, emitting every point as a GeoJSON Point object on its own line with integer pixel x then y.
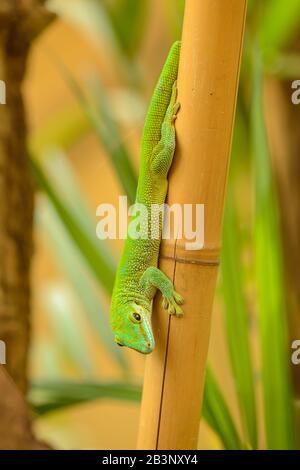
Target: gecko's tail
{"type": "Point", "coordinates": [161, 99]}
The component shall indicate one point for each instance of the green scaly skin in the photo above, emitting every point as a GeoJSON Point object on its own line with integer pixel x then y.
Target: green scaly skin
{"type": "Point", "coordinates": [138, 277]}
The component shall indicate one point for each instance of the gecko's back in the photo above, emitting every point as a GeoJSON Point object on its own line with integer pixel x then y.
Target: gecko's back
{"type": "Point", "coordinates": [137, 276]}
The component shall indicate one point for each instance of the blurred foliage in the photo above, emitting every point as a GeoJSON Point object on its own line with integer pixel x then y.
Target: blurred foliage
{"type": "Point", "coordinates": [55, 395]}
{"type": "Point", "coordinates": [119, 27]}
{"type": "Point", "coordinates": [129, 20]}
{"type": "Point", "coordinates": [278, 403]}
{"type": "Point", "coordinates": [98, 112]}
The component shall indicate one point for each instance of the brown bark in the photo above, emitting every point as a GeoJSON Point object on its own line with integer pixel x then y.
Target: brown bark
{"type": "Point", "coordinates": [20, 22]}
{"type": "Point", "coordinates": [15, 425]}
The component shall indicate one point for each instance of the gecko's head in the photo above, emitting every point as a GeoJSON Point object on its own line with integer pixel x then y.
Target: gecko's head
{"type": "Point", "coordinates": [133, 328]}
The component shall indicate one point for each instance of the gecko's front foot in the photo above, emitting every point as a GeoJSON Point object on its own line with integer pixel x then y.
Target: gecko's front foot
{"type": "Point", "coordinates": [172, 304]}
{"type": "Point", "coordinates": [152, 279]}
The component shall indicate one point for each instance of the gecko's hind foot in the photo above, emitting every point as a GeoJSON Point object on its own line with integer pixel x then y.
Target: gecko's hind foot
{"type": "Point", "coordinates": [172, 304]}
{"type": "Point", "coordinates": [175, 106]}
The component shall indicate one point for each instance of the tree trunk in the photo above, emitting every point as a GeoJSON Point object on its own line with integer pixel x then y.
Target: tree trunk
{"type": "Point", "coordinates": [20, 22]}
{"type": "Point", "coordinates": [15, 425]}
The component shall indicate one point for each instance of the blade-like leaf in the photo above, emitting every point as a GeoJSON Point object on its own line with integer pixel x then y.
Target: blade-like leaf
{"type": "Point", "coordinates": [278, 400]}
{"type": "Point", "coordinates": [44, 356]}
{"type": "Point", "coordinates": [46, 397]}
{"type": "Point", "coordinates": [62, 177]}
{"type": "Point", "coordinates": [278, 25]}
{"type": "Point", "coordinates": [84, 287]}
{"type": "Point", "coordinates": [236, 316]}
{"type": "Point", "coordinates": [128, 19]}
{"type": "Point", "coordinates": [216, 413]}
{"type": "Point", "coordinates": [108, 133]}
{"type": "Point", "coordinates": [96, 259]}
{"type": "Point", "coordinates": [107, 129]}
{"type": "Point", "coordinates": [63, 130]}
{"type": "Point", "coordinates": [173, 12]}
{"type": "Point", "coordinates": [93, 18]}
{"type": "Point", "coordinates": [67, 328]}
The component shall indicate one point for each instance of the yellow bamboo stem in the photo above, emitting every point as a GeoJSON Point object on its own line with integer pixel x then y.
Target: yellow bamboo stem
{"type": "Point", "coordinates": [207, 86]}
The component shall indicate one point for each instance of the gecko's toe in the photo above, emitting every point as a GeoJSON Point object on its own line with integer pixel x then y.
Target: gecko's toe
{"type": "Point", "coordinates": [172, 309]}
{"type": "Point", "coordinates": [165, 303]}
{"type": "Point", "coordinates": [178, 298]}
{"type": "Point", "coordinates": [178, 310]}
{"type": "Point", "coordinates": [172, 304]}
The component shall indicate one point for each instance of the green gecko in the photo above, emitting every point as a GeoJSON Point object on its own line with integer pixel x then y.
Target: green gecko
{"type": "Point", "coordinates": [138, 277]}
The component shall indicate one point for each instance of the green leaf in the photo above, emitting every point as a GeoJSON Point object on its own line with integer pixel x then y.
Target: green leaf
{"type": "Point", "coordinates": [109, 134]}
{"type": "Point", "coordinates": [216, 413]}
{"type": "Point", "coordinates": [94, 253]}
{"type": "Point", "coordinates": [66, 324]}
{"type": "Point", "coordinates": [236, 318]}
{"type": "Point", "coordinates": [45, 359]}
{"type": "Point", "coordinates": [84, 290]}
{"type": "Point", "coordinates": [278, 25]}
{"type": "Point", "coordinates": [174, 12]}
{"type": "Point", "coordinates": [47, 397]}
{"type": "Point", "coordinates": [278, 399]}
{"type": "Point", "coordinates": [63, 130]}
{"type": "Point", "coordinates": [93, 18]}
{"type": "Point", "coordinates": [104, 124]}
{"type": "Point", "coordinates": [62, 177]}
{"type": "Point", "coordinates": [128, 19]}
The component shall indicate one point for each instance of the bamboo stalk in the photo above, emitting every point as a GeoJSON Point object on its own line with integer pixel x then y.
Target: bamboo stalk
{"type": "Point", "coordinates": [207, 86]}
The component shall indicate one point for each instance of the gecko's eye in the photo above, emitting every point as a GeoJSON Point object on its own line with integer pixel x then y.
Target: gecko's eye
{"type": "Point", "coordinates": [137, 317]}
{"type": "Point", "coordinates": [121, 345]}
